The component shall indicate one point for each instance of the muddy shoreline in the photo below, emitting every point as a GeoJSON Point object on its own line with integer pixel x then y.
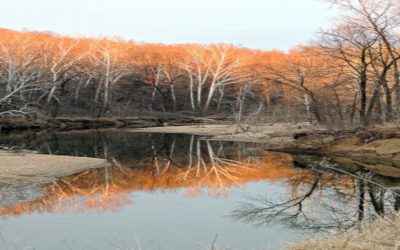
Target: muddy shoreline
{"type": "Point", "coordinates": [381, 142]}
{"type": "Point", "coordinates": [22, 168]}
{"type": "Point", "coordinates": [9, 125]}
{"type": "Point", "coordinates": [380, 145]}
{"type": "Point", "coordinates": [21, 172]}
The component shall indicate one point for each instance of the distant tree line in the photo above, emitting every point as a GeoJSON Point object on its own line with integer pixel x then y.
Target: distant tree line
{"type": "Point", "coordinates": [347, 74]}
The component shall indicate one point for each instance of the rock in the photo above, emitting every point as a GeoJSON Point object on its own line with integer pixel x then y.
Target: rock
{"type": "Point", "coordinates": [381, 147]}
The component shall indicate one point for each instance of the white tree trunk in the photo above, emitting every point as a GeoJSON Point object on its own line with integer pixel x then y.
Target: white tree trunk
{"type": "Point", "coordinates": [222, 91]}
{"type": "Point", "coordinates": [173, 96]}
{"type": "Point", "coordinates": [307, 102]}
{"type": "Point", "coordinates": [210, 95]}
{"type": "Point", "coordinates": [191, 92]}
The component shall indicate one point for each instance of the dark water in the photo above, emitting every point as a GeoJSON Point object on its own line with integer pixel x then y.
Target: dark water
{"type": "Point", "coordinates": [173, 191]}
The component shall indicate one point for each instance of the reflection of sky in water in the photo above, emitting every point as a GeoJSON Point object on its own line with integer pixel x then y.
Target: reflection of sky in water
{"type": "Point", "coordinates": [169, 219]}
{"type": "Point", "coordinates": [162, 197]}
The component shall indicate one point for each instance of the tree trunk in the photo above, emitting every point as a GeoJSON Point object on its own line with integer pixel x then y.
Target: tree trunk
{"type": "Point", "coordinates": [308, 108]}
{"type": "Point", "coordinates": [382, 110]}
{"type": "Point", "coordinates": [353, 110]}
{"type": "Point", "coordinates": [368, 114]}
{"type": "Point", "coordinates": [191, 92]}
{"type": "Point", "coordinates": [388, 94]}
{"type": "Point", "coordinates": [173, 96]}
{"type": "Point", "coordinates": [96, 97]}
{"type": "Point", "coordinates": [77, 90]}
{"type": "Point", "coordinates": [106, 87]}
{"type": "Point", "coordinates": [315, 108]}
{"type": "Point", "coordinates": [210, 95]}
{"type": "Point", "coordinates": [53, 88]}
{"type": "Point", "coordinates": [363, 92]}
{"type": "Point", "coordinates": [199, 94]}
{"type": "Point", "coordinates": [238, 98]}
{"type": "Point", "coordinates": [221, 90]}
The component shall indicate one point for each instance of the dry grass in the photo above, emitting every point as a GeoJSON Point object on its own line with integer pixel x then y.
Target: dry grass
{"type": "Point", "coordinates": [382, 233]}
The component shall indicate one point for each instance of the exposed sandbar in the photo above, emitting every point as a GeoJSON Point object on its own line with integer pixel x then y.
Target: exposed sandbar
{"type": "Point", "coordinates": [233, 133]}
{"type": "Point", "coordinates": [19, 169]}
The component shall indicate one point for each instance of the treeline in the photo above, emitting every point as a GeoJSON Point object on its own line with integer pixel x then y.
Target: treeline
{"type": "Point", "coordinates": [108, 76]}
{"type": "Point", "coordinates": [346, 74]}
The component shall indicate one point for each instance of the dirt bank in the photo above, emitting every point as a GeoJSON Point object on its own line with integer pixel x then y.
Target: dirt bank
{"type": "Point", "coordinates": [376, 142]}
{"type": "Point", "coordinates": [232, 133]}
{"type": "Point", "coordinates": [19, 168]}
{"type": "Point", "coordinates": [8, 125]}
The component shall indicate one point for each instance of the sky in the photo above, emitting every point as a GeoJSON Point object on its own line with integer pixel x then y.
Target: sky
{"type": "Point", "coordinates": [258, 24]}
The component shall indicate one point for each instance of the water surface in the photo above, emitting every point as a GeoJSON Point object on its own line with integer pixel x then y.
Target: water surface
{"type": "Point", "coordinates": [173, 191]}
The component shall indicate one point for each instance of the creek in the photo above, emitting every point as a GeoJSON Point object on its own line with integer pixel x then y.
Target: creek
{"type": "Point", "coordinates": [175, 191]}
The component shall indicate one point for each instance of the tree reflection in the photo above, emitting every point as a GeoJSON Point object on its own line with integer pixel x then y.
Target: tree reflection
{"type": "Point", "coordinates": [320, 200]}
{"type": "Point", "coordinates": [313, 196]}
{"type": "Point", "coordinates": [169, 163]}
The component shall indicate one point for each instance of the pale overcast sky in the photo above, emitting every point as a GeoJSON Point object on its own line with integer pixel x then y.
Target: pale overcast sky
{"type": "Point", "coordinates": [264, 24]}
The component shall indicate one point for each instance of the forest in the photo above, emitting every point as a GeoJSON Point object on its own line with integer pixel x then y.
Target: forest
{"type": "Point", "coordinates": [346, 74]}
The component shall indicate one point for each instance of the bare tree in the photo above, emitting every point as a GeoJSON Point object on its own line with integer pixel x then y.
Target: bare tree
{"type": "Point", "coordinates": [110, 58]}
{"type": "Point", "coordinates": [21, 67]}
{"type": "Point", "coordinates": [352, 45]}
{"type": "Point", "coordinates": [382, 18]}
{"type": "Point", "coordinates": [223, 68]}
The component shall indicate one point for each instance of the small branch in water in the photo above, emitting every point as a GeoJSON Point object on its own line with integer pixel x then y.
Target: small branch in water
{"type": "Point", "coordinates": [356, 176]}
{"type": "Point", "coordinates": [213, 244]}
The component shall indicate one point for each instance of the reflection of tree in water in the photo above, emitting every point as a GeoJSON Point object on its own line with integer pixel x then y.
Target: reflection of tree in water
{"type": "Point", "coordinates": [167, 163]}
{"type": "Point", "coordinates": [220, 174]}
{"type": "Point", "coordinates": [206, 166]}
{"type": "Point", "coordinates": [87, 190]}
{"type": "Point", "coordinates": [315, 198]}
{"type": "Point", "coordinates": [320, 199]}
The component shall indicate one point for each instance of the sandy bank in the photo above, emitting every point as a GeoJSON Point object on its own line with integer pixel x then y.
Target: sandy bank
{"type": "Point", "coordinates": [227, 132]}
{"type": "Point", "coordinates": [19, 169]}
{"type": "Point", "coordinates": [8, 125]}
{"type": "Point", "coordinates": [380, 142]}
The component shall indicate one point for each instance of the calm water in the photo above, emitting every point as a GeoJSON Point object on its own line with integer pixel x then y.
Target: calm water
{"type": "Point", "coordinates": [172, 191]}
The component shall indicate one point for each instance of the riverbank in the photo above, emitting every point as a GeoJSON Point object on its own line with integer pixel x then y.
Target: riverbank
{"type": "Point", "coordinates": [8, 125]}
{"type": "Point", "coordinates": [382, 233]}
{"type": "Point", "coordinates": [230, 132]}
{"type": "Point", "coordinates": [21, 169]}
{"type": "Point", "coordinates": [380, 142]}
